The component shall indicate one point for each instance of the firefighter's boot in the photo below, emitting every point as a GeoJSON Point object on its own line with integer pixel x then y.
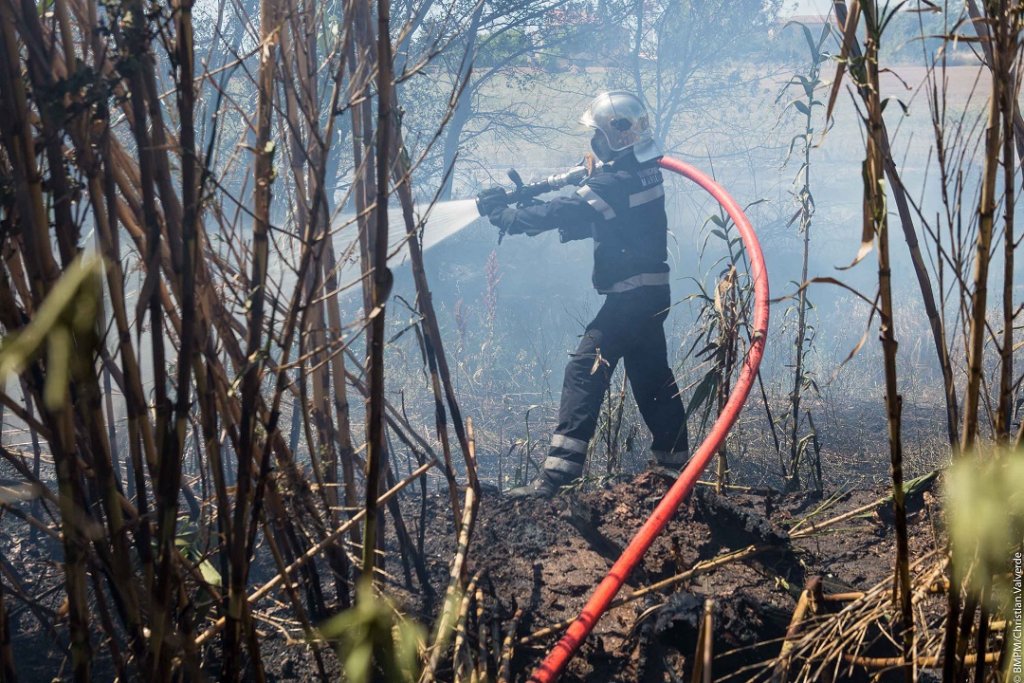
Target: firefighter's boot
{"type": "Point", "coordinates": [545, 485]}
{"type": "Point", "coordinates": [667, 464]}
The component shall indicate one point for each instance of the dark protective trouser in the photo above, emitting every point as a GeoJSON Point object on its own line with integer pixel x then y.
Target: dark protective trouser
{"type": "Point", "coordinates": [630, 326]}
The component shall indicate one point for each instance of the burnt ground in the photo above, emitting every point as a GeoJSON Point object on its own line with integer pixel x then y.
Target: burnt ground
{"type": "Point", "coordinates": [546, 557]}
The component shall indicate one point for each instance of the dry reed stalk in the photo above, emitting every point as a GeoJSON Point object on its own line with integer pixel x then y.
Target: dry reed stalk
{"type": "Point", "coordinates": [933, 662]}
{"type": "Point", "coordinates": [825, 640]}
{"type": "Point", "coordinates": [399, 424]}
{"type": "Point", "coordinates": [508, 649]}
{"type": "Point", "coordinates": [1009, 49]}
{"type": "Point", "coordinates": [998, 30]}
{"type": "Point", "coordinates": [803, 604]}
{"type": "Point", "coordinates": [727, 305]}
{"type": "Point", "coordinates": [338, 374]}
{"type": "Point", "coordinates": [407, 549]}
{"type": "Point", "coordinates": [434, 349]}
{"type": "Point", "coordinates": [705, 642]}
{"type": "Point", "coordinates": [185, 254]}
{"type": "Point", "coordinates": [981, 637]}
{"type": "Point", "coordinates": [308, 630]}
{"type": "Point", "coordinates": [236, 540]}
{"type": "Point", "coordinates": [796, 532]}
{"type": "Point", "coordinates": [982, 256]}
{"type": "Point", "coordinates": [308, 158]}
{"type": "Point", "coordinates": [445, 621]}
{"type": "Point", "coordinates": [876, 230]}
{"type": "Point", "coordinates": [460, 655]}
{"type": "Point", "coordinates": [755, 490]}
{"type": "Point", "coordinates": [852, 50]}
{"type": "Point", "coordinates": [295, 318]}
{"type": "Point", "coordinates": [42, 272]}
{"type": "Point", "coordinates": [6, 656]}
{"type": "Point", "coordinates": [938, 586]}
{"type": "Point", "coordinates": [158, 201]}
{"type": "Point", "coordinates": [313, 551]}
{"type": "Point", "coordinates": [361, 63]}
{"type": "Point", "coordinates": [379, 287]}
{"type": "Point", "coordinates": [480, 671]}
{"type": "Point", "coordinates": [103, 444]}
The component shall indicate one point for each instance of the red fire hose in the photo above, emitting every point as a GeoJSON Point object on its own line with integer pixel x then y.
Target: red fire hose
{"type": "Point", "coordinates": [553, 665]}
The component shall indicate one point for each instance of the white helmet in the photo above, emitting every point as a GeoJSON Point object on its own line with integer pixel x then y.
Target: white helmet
{"type": "Point", "coordinates": [623, 119]}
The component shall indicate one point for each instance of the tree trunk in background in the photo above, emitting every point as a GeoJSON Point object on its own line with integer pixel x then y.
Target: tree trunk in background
{"type": "Point", "coordinates": [462, 113]}
{"type": "Point", "coordinates": [452, 137]}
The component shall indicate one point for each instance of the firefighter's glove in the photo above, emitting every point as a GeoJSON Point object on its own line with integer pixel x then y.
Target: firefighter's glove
{"type": "Point", "coordinates": [491, 200]}
{"type": "Point", "coordinates": [503, 219]}
{"type": "Point", "coordinates": [578, 231]}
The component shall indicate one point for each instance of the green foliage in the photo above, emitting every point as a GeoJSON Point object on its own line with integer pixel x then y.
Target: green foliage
{"type": "Point", "coordinates": [805, 85]}
{"type": "Point", "coordinates": [372, 633]}
{"type": "Point", "coordinates": [203, 602]}
{"type": "Point", "coordinates": [681, 58]}
{"type": "Point", "coordinates": [505, 48]}
{"type": "Point", "coordinates": [70, 311]}
{"type": "Point", "coordinates": [722, 316]}
{"type": "Point", "coordinates": [186, 543]}
{"type": "Point", "coordinates": [985, 512]}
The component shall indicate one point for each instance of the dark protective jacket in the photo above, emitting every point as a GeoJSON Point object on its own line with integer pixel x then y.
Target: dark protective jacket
{"type": "Point", "coordinates": [622, 207]}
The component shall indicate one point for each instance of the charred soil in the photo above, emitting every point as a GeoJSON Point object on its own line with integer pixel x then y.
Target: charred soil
{"type": "Point", "coordinates": [545, 558]}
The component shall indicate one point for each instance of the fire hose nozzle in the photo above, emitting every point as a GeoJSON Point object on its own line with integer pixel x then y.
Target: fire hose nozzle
{"type": "Point", "coordinates": [498, 197]}
{"type": "Point", "coordinates": [574, 176]}
{"type": "Point", "coordinates": [493, 198]}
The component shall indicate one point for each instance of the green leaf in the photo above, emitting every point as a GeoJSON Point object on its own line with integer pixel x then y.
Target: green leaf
{"type": "Point", "coordinates": [903, 105]}
{"type": "Point", "coordinates": [73, 299]}
{"type": "Point", "coordinates": [704, 391]}
{"type": "Point", "coordinates": [985, 509]}
{"type": "Point", "coordinates": [812, 45]}
{"type": "Point", "coordinates": [372, 632]}
{"type": "Point", "coordinates": [357, 664]}
{"type": "Point", "coordinates": [58, 367]}
{"type": "Point", "coordinates": [210, 573]}
{"type": "Point", "coordinates": [792, 143]}
{"type": "Point", "coordinates": [808, 85]}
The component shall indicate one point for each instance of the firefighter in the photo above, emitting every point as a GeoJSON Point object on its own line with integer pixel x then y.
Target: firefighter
{"type": "Point", "coordinates": [621, 206]}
